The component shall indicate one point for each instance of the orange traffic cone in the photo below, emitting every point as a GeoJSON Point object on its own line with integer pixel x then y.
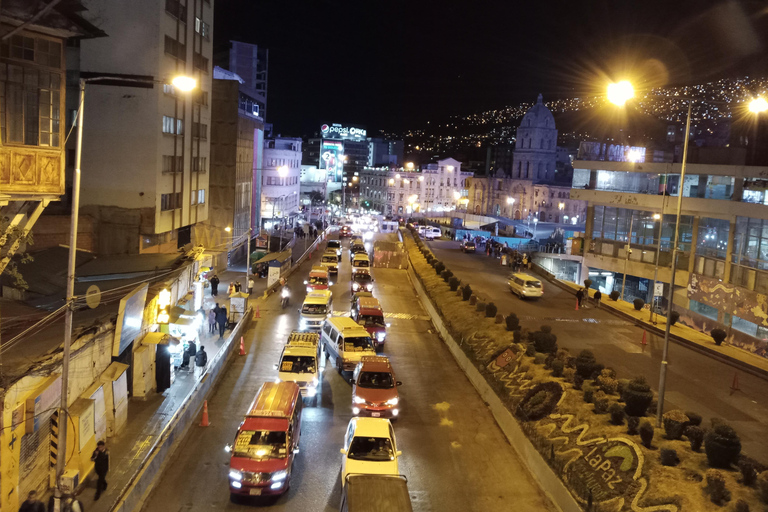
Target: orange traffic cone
{"type": "Point", "coordinates": [258, 313]}
{"type": "Point", "coordinates": [644, 342]}
{"type": "Point", "coordinates": [242, 347]}
{"type": "Point", "coordinates": [577, 304]}
{"type": "Point", "coordinates": [204, 422]}
{"type": "Point", "coordinates": [735, 384]}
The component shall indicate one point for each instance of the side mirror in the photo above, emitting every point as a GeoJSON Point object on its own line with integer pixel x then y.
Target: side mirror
{"type": "Point", "coordinates": [343, 451]}
{"type": "Point", "coordinates": [398, 453]}
{"type": "Point", "coordinates": [398, 383]}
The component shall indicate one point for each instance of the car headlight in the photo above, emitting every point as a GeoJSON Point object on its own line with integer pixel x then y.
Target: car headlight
{"type": "Point", "coordinates": [235, 475]}
{"type": "Point", "coordinates": [381, 335]}
{"type": "Point", "coordinates": [314, 383]}
{"type": "Point", "coordinates": [309, 289]}
{"type": "Point", "coordinates": [358, 400]}
{"type": "Point", "coordinates": [279, 475]}
{"type": "Point", "coordinates": [392, 401]}
{"type": "Point", "coordinates": [369, 287]}
{"type": "Point", "coordinates": [355, 286]}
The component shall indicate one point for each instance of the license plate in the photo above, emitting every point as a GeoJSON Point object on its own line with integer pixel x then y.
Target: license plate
{"type": "Point", "coordinates": [375, 414]}
{"type": "Point", "coordinates": [255, 491]}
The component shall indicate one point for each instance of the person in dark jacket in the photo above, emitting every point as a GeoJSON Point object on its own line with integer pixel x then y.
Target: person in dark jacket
{"type": "Point", "coordinates": [579, 296]}
{"type": "Point", "coordinates": [215, 285]}
{"type": "Point", "coordinates": [597, 296]}
{"type": "Point", "coordinates": [32, 504]}
{"type": "Point", "coordinates": [201, 359]}
{"type": "Point", "coordinates": [221, 319]}
{"type": "Point", "coordinates": [188, 354]}
{"type": "Point", "coordinates": [100, 458]}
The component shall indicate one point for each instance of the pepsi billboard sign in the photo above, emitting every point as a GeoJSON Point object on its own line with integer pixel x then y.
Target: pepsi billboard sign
{"type": "Point", "coordinates": [337, 131]}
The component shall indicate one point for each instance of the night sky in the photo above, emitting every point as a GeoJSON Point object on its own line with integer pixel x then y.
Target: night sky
{"type": "Point", "coordinates": [395, 65]}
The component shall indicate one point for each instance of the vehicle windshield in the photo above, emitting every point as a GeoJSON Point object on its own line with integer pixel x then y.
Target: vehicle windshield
{"type": "Point", "coordinates": [298, 364]}
{"type": "Point", "coordinates": [318, 280]}
{"type": "Point", "coordinates": [357, 344]}
{"type": "Point", "coordinates": [334, 244]}
{"type": "Point", "coordinates": [533, 284]}
{"type": "Point", "coordinates": [361, 277]}
{"type": "Point", "coordinates": [260, 444]}
{"type": "Point", "coordinates": [329, 259]}
{"type": "Point", "coordinates": [358, 248]}
{"type": "Point", "coordinates": [313, 309]}
{"type": "Point", "coordinates": [372, 320]}
{"type": "Point", "coordinates": [469, 244]}
{"type": "Point", "coordinates": [375, 380]}
{"type": "Point", "coordinates": [360, 263]}
{"type": "Point", "coordinates": [377, 449]}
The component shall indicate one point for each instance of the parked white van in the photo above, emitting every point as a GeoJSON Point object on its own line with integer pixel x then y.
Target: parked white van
{"type": "Point", "coordinates": [346, 342]}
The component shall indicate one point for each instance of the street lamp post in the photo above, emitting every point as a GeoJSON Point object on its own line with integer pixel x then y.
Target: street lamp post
{"type": "Point", "coordinates": [184, 84]}
{"type": "Point", "coordinates": [627, 250]}
{"type": "Point", "coordinates": [656, 217]}
{"type": "Point", "coordinates": [343, 186]}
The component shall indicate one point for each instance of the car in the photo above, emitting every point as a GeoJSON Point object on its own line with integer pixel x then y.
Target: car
{"type": "Point", "coordinates": [361, 281]}
{"type": "Point", "coordinates": [367, 312]}
{"type": "Point", "coordinates": [345, 232]}
{"type": "Point", "coordinates": [525, 286]}
{"type": "Point", "coordinates": [334, 245]}
{"type": "Point", "coordinates": [318, 279]}
{"type": "Point", "coordinates": [374, 388]}
{"type": "Point", "coordinates": [330, 260]}
{"type": "Point", "coordinates": [467, 246]}
{"type": "Point", "coordinates": [369, 448]}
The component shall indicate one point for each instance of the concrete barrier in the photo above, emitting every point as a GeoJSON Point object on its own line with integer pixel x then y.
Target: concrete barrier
{"type": "Point", "coordinates": [132, 497]}
{"type": "Point", "coordinates": [548, 480]}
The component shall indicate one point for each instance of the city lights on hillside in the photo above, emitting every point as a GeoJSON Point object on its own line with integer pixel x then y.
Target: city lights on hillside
{"type": "Point", "coordinates": [620, 92]}
{"type": "Point", "coordinates": [758, 105]}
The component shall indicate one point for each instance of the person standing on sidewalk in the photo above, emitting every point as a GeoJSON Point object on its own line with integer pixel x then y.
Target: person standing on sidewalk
{"type": "Point", "coordinates": [211, 321]}
{"type": "Point", "coordinates": [597, 296]}
{"type": "Point", "coordinates": [215, 285]}
{"type": "Point", "coordinates": [100, 458]}
{"type": "Point", "coordinates": [32, 504]}
{"type": "Point", "coordinates": [221, 319]}
{"type": "Point", "coordinates": [201, 359]}
{"type": "Point", "coordinates": [579, 297]}
{"type": "Point", "coordinates": [250, 285]}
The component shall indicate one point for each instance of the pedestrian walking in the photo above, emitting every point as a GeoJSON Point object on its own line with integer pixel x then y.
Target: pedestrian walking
{"type": "Point", "coordinates": [230, 289]}
{"type": "Point", "coordinates": [238, 286]}
{"type": "Point", "coordinates": [221, 319]}
{"type": "Point", "coordinates": [579, 296]}
{"type": "Point", "coordinates": [71, 503]}
{"type": "Point", "coordinates": [215, 285]}
{"type": "Point", "coordinates": [189, 353]}
{"type": "Point", "coordinates": [32, 504]}
{"type": "Point", "coordinates": [211, 321]}
{"type": "Point", "coordinates": [201, 359]}
{"type": "Point", "coordinates": [250, 285]}
{"type": "Point", "coordinates": [100, 458]}
{"type": "Point", "coordinates": [597, 296]}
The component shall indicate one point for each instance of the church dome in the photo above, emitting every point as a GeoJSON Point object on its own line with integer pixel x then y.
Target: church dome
{"type": "Point", "coordinates": [538, 116]}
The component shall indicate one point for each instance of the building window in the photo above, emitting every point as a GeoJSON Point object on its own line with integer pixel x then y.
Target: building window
{"type": "Point", "coordinates": [193, 197]}
{"type": "Point", "coordinates": [200, 62]}
{"type": "Point", "coordinates": [170, 201]}
{"type": "Point", "coordinates": [201, 196]}
{"type": "Point", "coordinates": [203, 28]}
{"type": "Point", "coordinates": [199, 164]}
{"type": "Point", "coordinates": [173, 126]}
{"type": "Point", "coordinates": [172, 164]}
{"type": "Point", "coordinates": [200, 130]}
{"type": "Point", "coordinates": [201, 98]}
{"type": "Point", "coordinates": [176, 9]}
{"type": "Point", "coordinates": [175, 49]}
{"type": "Point", "coordinates": [30, 105]}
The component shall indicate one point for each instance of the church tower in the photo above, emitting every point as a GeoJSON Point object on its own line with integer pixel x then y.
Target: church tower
{"type": "Point", "coordinates": [536, 147]}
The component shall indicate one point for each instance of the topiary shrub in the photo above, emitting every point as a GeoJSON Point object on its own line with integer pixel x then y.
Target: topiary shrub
{"type": "Point", "coordinates": [607, 381]}
{"type": "Point", "coordinates": [545, 341]}
{"type": "Point", "coordinates": [741, 506]}
{"type": "Point", "coordinates": [674, 316]}
{"type": "Point", "coordinates": [569, 374]}
{"type": "Point", "coordinates": [540, 401]}
{"type": "Point", "coordinates": [513, 323]}
{"type": "Point", "coordinates": [695, 436]}
{"type": "Point", "coordinates": [718, 335]}
{"type": "Point", "coordinates": [490, 310]}
{"type": "Point", "coordinates": [578, 381]}
{"type": "Point", "coordinates": [557, 368]}
{"type": "Point", "coordinates": [439, 267]}
{"type": "Point", "coordinates": [722, 445]}
{"type": "Point", "coordinates": [668, 457]}
{"type": "Point", "coordinates": [674, 422]}
{"type": "Point", "coordinates": [530, 350]}
{"type": "Point", "coordinates": [585, 364]}
{"type": "Point", "coordinates": [429, 258]}
{"type": "Point", "coordinates": [638, 397]}
{"type": "Point", "coordinates": [646, 433]}
{"type": "Point", "coordinates": [453, 284]}
{"type": "Point", "coordinates": [748, 473]}
{"type": "Point", "coordinates": [539, 358]}
{"type": "Point", "coordinates": [762, 486]}
{"type": "Point", "coordinates": [614, 295]}
{"type": "Point", "coordinates": [596, 371]}
{"type": "Point", "coordinates": [617, 413]}
{"type": "Point", "coordinates": [638, 303]}
{"type": "Point", "coordinates": [480, 306]}
{"type": "Point", "coordinates": [621, 386]}
{"type": "Point", "coordinates": [466, 293]}
{"type": "Point", "coordinates": [718, 494]}
{"type": "Point", "coordinates": [589, 393]}
{"type": "Point", "coordinates": [633, 422]}
{"type": "Point", "coordinates": [587, 283]}
{"type": "Point", "coordinates": [545, 328]}
{"type": "Point", "coordinates": [693, 418]}
{"type": "Point", "coordinates": [601, 402]}
{"type": "Point", "coordinates": [446, 275]}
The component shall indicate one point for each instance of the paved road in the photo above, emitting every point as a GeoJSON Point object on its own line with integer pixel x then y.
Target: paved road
{"type": "Point", "coordinates": [694, 382]}
{"type": "Point", "coordinates": [454, 455]}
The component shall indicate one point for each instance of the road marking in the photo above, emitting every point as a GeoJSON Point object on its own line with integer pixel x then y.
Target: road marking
{"type": "Point", "coordinates": [575, 320]}
{"type": "Point", "coordinates": [399, 316]}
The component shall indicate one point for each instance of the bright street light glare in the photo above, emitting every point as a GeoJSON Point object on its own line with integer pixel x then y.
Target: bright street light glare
{"type": "Point", "coordinates": [282, 171]}
{"type": "Point", "coordinates": [758, 105]}
{"type": "Point", "coordinates": [184, 83]}
{"type": "Point", "coordinates": [620, 92]}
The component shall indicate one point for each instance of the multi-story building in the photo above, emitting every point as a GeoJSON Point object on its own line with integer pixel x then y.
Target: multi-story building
{"type": "Point", "coordinates": [251, 63]}
{"type": "Point", "coordinates": [436, 187]}
{"type": "Point", "coordinates": [313, 184]}
{"type": "Point", "coordinates": [235, 132]}
{"type": "Point", "coordinates": [383, 152]}
{"type": "Point", "coordinates": [281, 186]}
{"type": "Point", "coordinates": [146, 150]}
{"type": "Point", "coordinates": [722, 265]}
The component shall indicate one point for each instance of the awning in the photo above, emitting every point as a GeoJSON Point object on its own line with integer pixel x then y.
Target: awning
{"type": "Point", "coordinates": [159, 338]}
{"type": "Point", "coordinates": [184, 320]}
{"type": "Point", "coordinates": [176, 312]}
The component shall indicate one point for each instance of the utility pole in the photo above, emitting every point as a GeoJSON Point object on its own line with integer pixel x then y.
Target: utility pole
{"type": "Point", "coordinates": [628, 250]}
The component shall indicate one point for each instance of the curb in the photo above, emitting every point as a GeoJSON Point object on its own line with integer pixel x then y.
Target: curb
{"type": "Point", "coordinates": [549, 483]}
{"type": "Point", "coordinates": [723, 358]}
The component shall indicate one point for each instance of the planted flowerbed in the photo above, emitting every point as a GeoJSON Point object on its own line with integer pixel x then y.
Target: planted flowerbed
{"type": "Point", "coordinates": [595, 428]}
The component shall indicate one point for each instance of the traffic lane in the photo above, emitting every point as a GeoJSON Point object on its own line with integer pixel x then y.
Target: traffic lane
{"type": "Point", "coordinates": [695, 382]}
{"type": "Point", "coordinates": [454, 454]}
{"type": "Point", "coordinates": [196, 478]}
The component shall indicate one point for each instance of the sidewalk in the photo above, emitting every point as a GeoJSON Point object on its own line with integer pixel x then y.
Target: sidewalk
{"type": "Point", "coordinates": [692, 338]}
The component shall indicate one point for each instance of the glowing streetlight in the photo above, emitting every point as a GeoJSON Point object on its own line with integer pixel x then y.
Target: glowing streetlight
{"type": "Point", "coordinates": [412, 199]}
{"type": "Point", "coordinates": [561, 206]}
{"type": "Point", "coordinates": [227, 229]}
{"type": "Point", "coordinates": [656, 216]}
{"type": "Point", "coordinates": [421, 178]}
{"type": "Point", "coordinates": [409, 165]}
{"type": "Point", "coordinates": [758, 105]}
{"type": "Point", "coordinates": [391, 181]}
{"type": "Point", "coordinates": [510, 200]}
{"type": "Point", "coordinates": [450, 168]}
{"type": "Point", "coordinates": [184, 83]}
{"type": "Point", "coordinates": [282, 171]}
{"type": "Point", "coordinates": [620, 92]}
{"type": "Point", "coordinates": [456, 195]}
